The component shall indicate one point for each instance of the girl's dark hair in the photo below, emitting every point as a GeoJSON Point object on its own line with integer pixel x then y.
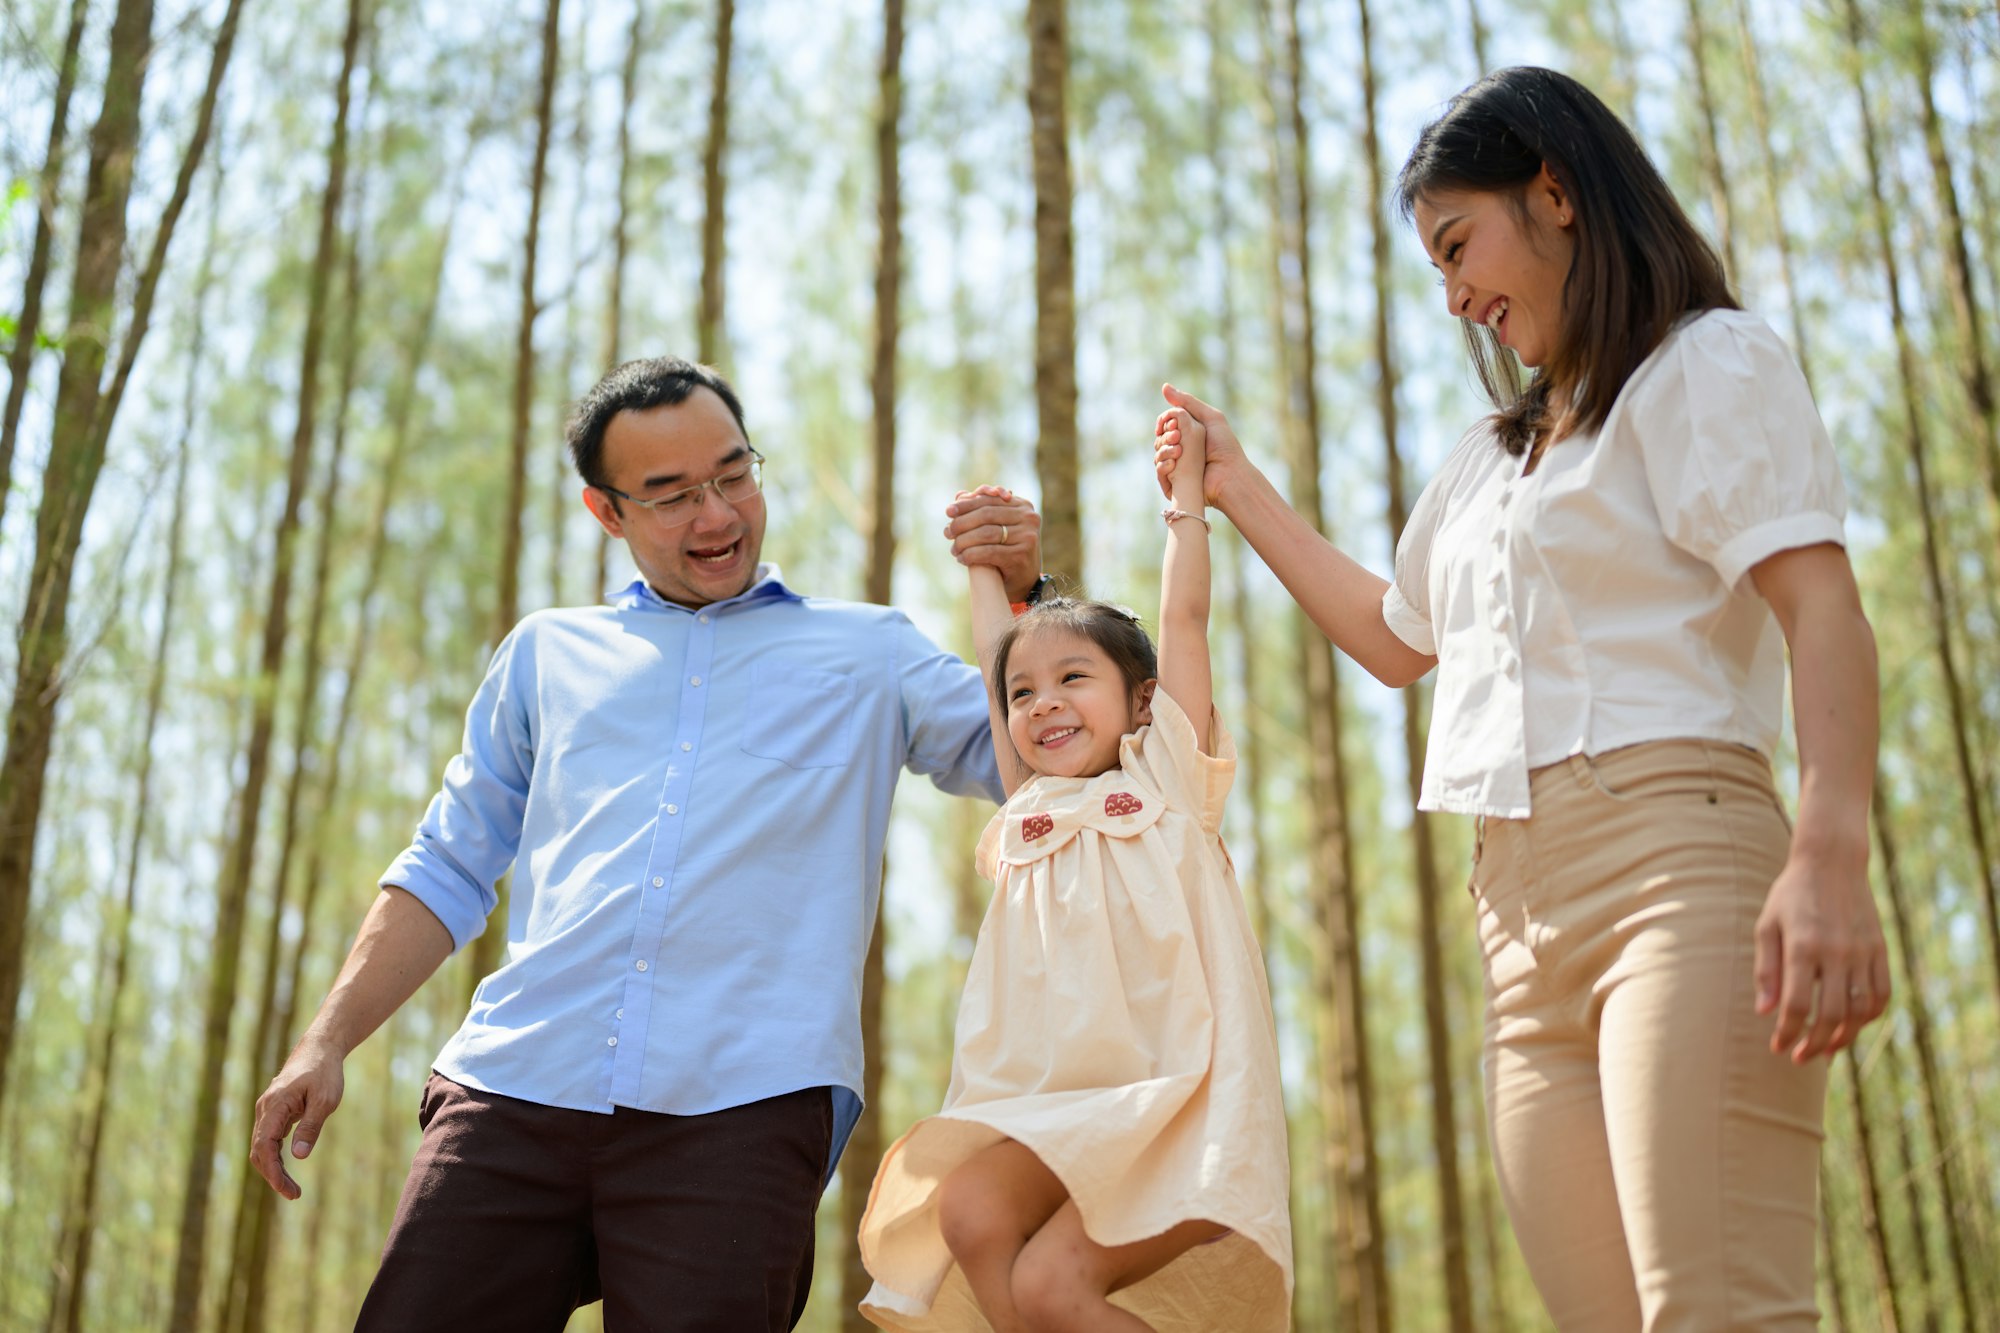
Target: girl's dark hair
{"type": "Point", "coordinates": [1112, 628]}
{"type": "Point", "coordinates": [1639, 263]}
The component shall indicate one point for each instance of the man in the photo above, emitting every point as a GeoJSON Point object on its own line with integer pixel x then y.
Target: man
{"type": "Point", "coordinates": [693, 784]}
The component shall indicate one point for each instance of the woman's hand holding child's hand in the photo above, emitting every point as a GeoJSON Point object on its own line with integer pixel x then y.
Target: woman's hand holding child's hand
{"type": "Point", "coordinates": [1220, 452]}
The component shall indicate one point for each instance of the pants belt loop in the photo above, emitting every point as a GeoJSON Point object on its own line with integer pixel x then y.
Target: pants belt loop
{"type": "Point", "coordinates": [1478, 837]}
{"type": "Point", "coordinates": [1579, 767]}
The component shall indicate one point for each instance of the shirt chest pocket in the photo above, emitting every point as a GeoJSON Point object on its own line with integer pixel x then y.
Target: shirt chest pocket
{"type": "Point", "coordinates": [799, 715]}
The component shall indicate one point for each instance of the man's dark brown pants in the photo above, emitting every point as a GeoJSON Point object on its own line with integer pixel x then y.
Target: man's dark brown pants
{"type": "Point", "coordinates": [516, 1213]}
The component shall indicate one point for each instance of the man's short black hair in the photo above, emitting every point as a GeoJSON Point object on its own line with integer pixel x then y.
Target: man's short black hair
{"type": "Point", "coordinates": [659, 381]}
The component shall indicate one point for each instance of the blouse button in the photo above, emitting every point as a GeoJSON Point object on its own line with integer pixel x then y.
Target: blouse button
{"type": "Point", "coordinates": [1510, 666]}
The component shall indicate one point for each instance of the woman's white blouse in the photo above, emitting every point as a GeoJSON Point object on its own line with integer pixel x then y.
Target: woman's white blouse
{"type": "Point", "coordinates": [1602, 600]}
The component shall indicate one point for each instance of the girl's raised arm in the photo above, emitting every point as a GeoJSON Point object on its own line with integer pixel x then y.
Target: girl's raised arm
{"type": "Point", "coordinates": [1184, 668]}
{"type": "Point", "coordinates": [991, 613]}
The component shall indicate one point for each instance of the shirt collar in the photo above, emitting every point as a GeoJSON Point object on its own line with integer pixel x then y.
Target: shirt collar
{"type": "Point", "coordinates": [768, 585]}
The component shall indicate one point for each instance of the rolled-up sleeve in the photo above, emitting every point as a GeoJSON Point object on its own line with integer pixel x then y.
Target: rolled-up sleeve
{"type": "Point", "coordinates": [945, 716]}
{"type": "Point", "coordinates": [472, 830]}
{"type": "Point", "coordinates": [1736, 456]}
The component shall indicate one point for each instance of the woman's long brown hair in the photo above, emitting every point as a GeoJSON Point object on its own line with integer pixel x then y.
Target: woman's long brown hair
{"type": "Point", "coordinates": [1639, 263]}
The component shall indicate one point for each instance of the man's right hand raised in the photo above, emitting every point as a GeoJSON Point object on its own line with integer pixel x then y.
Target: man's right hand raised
{"type": "Point", "coordinates": [304, 1094]}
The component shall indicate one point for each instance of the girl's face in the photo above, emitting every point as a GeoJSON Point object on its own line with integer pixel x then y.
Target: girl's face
{"type": "Point", "coordinates": [1068, 705]}
{"type": "Point", "coordinates": [1499, 268]}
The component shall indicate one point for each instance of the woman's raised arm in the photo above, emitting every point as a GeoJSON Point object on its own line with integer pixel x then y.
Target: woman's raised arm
{"type": "Point", "coordinates": [1342, 598]}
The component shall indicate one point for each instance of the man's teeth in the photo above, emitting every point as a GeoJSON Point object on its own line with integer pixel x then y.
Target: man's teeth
{"type": "Point", "coordinates": [715, 557]}
{"type": "Point", "coordinates": [1496, 314]}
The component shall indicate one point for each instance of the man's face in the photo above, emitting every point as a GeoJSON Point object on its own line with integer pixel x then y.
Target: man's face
{"type": "Point", "coordinates": [666, 449]}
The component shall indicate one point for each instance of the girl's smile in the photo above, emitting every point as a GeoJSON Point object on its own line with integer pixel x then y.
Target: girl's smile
{"type": "Point", "coordinates": [1068, 706]}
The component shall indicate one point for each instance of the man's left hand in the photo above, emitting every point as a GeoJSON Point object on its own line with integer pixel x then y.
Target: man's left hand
{"type": "Point", "coordinates": [990, 525]}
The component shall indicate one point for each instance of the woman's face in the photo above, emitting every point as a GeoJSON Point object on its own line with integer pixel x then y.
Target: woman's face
{"type": "Point", "coordinates": [1499, 268]}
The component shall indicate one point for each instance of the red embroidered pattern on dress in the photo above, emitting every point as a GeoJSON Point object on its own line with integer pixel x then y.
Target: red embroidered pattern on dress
{"type": "Point", "coordinates": [1122, 803]}
{"type": "Point", "coordinates": [1036, 826]}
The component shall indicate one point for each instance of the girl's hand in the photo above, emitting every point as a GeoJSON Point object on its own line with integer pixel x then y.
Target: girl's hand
{"type": "Point", "coordinates": [1819, 929]}
{"type": "Point", "coordinates": [1177, 428]}
{"type": "Point", "coordinates": [1222, 452]}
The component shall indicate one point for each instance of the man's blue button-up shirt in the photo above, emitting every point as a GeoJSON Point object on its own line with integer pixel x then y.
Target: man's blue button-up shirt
{"type": "Point", "coordinates": [698, 800]}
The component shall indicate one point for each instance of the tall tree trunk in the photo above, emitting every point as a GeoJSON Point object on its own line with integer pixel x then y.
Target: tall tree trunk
{"type": "Point", "coordinates": [1711, 143]}
{"type": "Point", "coordinates": [1937, 1117]}
{"type": "Point", "coordinates": [1055, 290]}
{"type": "Point", "coordinates": [1829, 1253]}
{"type": "Point", "coordinates": [1346, 1075]}
{"type": "Point", "coordinates": [1887, 1290]}
{"type": "Point", "coordinates": [1918, 444]}
{"type": "Point", "coordinates": [710, 332]}
{"type": "Point", "coordinates": [1256, 883]}
{"type": "Point", "coordinates": [1760, 115]}
{"type": "Point", "coordinates": [864, 1150]}
{"type": "Point", "coordinates": [82, 427]}
{"type": "Point", "coordinates": [1437, 1016]}
{"type": "Point", "coordinates": [21, 357]}
{"type": "Point", "coordinates": [507, 608]}
{"type": "Point", "coordinates": [1331, 1252]}
{"type": "Point", "coordinates": [1476, 25]}
{"type": "Point", "coordinates": [484, 955]}
{"type": "Point", "coordinates": [614, 296]}
{"type": "Point", "coordinates": [244, 1289]}
{"type": "Point", "coordinates": [1889, 1077]}
{"type": "Point", "coordinates": [233, 891]}
{"type": "Point", "coordinates": [73, 1250]}
{"type": "Point", "coordinates": [1974, 370]}
{"type": "Point", "coordinates": [67, 484]}
{"type": "Point", "coordinates": [562, 500]}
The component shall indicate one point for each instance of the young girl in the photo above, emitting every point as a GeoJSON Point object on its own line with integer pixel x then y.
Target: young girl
{"type": "Point", "coordinates": [1606, 573]}
{"type": "Point", "coordinates": [1111, 1152]}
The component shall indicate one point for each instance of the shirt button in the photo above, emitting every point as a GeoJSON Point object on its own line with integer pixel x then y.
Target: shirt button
{"type": "Point", "coordinates": [619, 1014]}
{"type": "Point", "coordinates": [702, 618]}
{"type": "Point", "coordinates": [611, 1041]}
{"type": "Point", "coordinates": [673, 809]}
{"type": "Point", "coordinates": [657, 883]}
{"type": "Point", "coordinates": [686, 746]}
{"type": "Point", "coordinates": [695, 681]}
{"type": "Point", "coordinates": [641, 965]}
{"type": "Point", "coordinates": [1510, 667]}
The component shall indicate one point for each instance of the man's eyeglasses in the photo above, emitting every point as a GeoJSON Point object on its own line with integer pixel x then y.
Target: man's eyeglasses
{"type": "Point", "coordinates": [678, 508]}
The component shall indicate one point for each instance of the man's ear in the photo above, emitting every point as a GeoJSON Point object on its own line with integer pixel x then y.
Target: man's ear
{"type": "Point", "coordinates": [1142, 711]}
{"type": "Point", "coordinates": [604, 511]}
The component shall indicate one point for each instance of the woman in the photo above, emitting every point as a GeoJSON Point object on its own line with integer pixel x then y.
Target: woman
{"type": "Point", "coordinates": [1605, 573]}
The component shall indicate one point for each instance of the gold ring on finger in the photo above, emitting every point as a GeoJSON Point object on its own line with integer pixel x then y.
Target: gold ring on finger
{"type": "Point", "coordinates": [1003, 534]}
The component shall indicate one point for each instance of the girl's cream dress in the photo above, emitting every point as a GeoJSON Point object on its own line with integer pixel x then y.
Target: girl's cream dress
{"type": "Point", "coordinates": [1116, 1021]}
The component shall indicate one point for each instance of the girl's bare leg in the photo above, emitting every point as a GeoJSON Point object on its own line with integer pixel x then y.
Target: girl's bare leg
{"type": "Point", "coordinates": [1062, 1277]}
{"type": "Point", "coordinates": [987, 1209]}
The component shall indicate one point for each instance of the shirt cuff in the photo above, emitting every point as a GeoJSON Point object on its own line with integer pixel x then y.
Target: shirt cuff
{"type": "Point", "coordinates": [1407, 623]}
{"type": "Point", "coordinates": [447, 902]}
{"type": "Point", "coordinates": [1743, 551]}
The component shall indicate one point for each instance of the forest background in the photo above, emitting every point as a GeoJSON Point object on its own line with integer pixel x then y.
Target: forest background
{"type": "Point", "coordinates": [296, 296]}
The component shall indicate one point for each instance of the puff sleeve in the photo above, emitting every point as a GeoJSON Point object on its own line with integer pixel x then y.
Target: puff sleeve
{"type": "Point", "coordinates": [1736, 456]}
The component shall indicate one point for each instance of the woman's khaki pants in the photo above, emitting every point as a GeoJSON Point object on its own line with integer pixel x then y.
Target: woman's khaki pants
{"type": "Point", "coordinates": [1659, 1163]}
